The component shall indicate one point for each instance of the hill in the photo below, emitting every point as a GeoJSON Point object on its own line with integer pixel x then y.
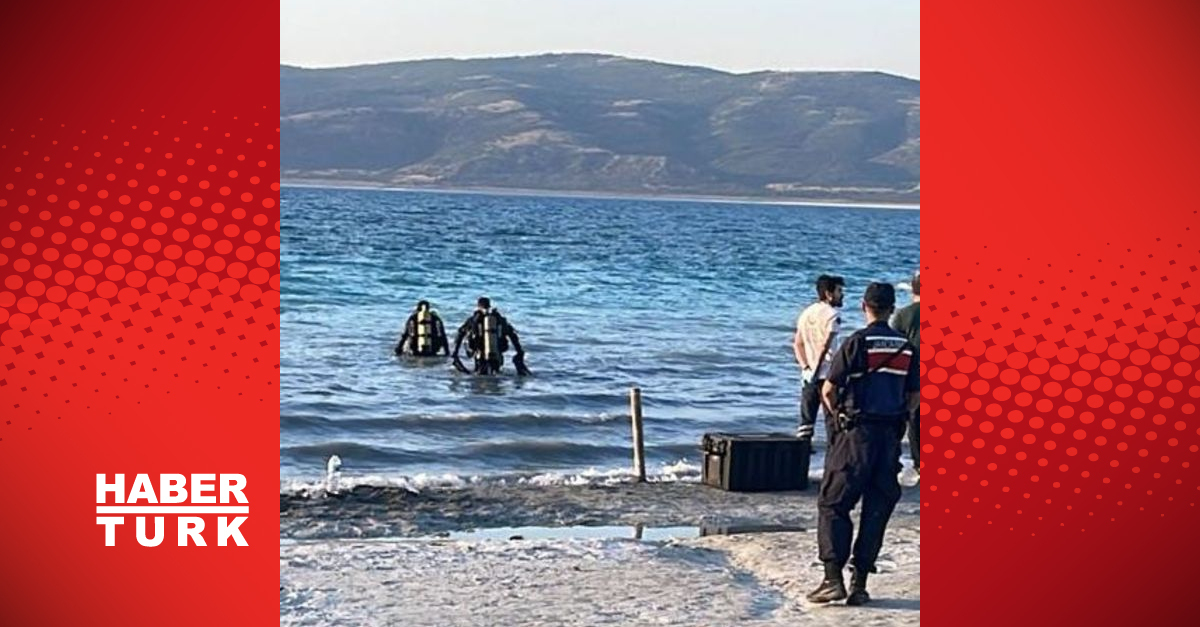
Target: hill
{"type": "Point", "coordinates": [595, 123]}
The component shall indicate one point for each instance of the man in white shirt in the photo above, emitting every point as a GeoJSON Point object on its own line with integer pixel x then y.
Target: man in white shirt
{"type": "Point", "coordinates": [815, 342]}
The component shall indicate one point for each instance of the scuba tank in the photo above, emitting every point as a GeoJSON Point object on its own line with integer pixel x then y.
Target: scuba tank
{"type": "Point", "coordinates": [488, 334]}
{"type": "Point", "coordinates": [424, 337]}
{"type": "Point", "coordinates": [491, 343]}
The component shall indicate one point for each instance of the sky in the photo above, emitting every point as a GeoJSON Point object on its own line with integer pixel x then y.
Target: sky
{"type": "Point", "coordinates": [729, 35]}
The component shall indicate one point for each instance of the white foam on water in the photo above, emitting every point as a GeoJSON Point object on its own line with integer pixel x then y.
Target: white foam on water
{"type": "Point", "coordinates": [681, 468]}
{"type": "Point", "coordinates": [415, 483]}
{"type": "Point", "coordinates": [679, 471]}
{"type": "Point", "coordinates": [683, 471]}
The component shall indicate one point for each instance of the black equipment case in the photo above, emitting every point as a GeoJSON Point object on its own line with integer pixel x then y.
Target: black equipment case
{"type": "Point", "coordinates": [766, 462]}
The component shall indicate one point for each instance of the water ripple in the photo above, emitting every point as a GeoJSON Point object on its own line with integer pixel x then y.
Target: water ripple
{"type": "Point", "coordinates": [692, 302]}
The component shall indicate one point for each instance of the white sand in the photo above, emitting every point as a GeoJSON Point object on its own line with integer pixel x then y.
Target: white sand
{"type": "Point", "coordinates": [751, 579]}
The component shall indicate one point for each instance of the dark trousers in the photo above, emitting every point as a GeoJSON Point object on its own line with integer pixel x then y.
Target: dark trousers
{"type": "Point", "coordinates": [862, 463]}
{"type": "Point", "coordinates": [810, 401]}
{"type": "Point", "coordinates": [914, 437]}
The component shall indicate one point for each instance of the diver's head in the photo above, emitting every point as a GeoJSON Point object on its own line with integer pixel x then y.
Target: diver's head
{"type": "Point", "coordinates": [830, 289]}
{"type": "Point", "coordinates": [423, 305]}
{"type": "Point", "coordinates": [916, 283]}
{"type": "Point", "coordinates": [483, 304]}
{"type": "Point", "coordinates": [879, 300]}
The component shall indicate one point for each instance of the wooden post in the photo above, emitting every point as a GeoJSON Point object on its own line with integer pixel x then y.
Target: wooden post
{"type": "Point", "coordinates": [639, 449]}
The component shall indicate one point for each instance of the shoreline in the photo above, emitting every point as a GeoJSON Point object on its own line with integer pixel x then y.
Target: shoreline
{"type": "Point", "coordinates": [366, 511]}
{"type": "Point", "coordinates": [573, 194]}
{"type": "Point", "coordinates": [381, 556]}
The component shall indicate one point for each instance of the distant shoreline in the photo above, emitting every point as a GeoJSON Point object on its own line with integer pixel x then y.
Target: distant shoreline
{"type": "Point", "coordinates": [543, 193]}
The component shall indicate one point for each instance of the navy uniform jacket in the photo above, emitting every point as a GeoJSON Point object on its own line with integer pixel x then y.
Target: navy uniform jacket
{"type": "Point", "coordinates": [884, 393]}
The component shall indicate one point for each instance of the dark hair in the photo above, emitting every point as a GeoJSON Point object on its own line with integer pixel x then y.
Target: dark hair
{"type": "Point", "coordinates": [917, 283]}
{"type": "Point", "coordinates": [422, 305]}
{"type": "Point", "coordinates": [484, 302]}
{"type": "Point", "coordinates": [880, 298]}
{"type": "Point", "coordinates": [826, 283]}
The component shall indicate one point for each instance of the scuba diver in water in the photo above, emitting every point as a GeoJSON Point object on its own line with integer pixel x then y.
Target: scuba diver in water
{"type": "Point", "coordinates": [488, 336]}
{"type": "Point", "coordinates": [424, 334]}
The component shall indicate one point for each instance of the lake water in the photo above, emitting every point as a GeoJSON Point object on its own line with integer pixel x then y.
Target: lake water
{"type": "Point", "coordinates": [693, 302]}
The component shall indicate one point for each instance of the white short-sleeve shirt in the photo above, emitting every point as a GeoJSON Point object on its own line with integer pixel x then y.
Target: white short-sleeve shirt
{"type": "Point", "coordinates": [816, 324]}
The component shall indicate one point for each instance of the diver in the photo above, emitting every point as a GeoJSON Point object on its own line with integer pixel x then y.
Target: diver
{"type": "Point", "coordinates": [488, 335]}
{"type": "Point", "coordinates": [424, 334]}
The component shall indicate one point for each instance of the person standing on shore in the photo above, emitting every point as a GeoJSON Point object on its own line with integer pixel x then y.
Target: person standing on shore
{"type": "Point", "coordinates": [817, 329]}
{"type": "Point", "coordinates": [908, 322]}
{"type": "Point", "coordinates": [872, 386]}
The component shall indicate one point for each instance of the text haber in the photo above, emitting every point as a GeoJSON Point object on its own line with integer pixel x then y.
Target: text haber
{"type": "Point", "coordinates": [209, 494]}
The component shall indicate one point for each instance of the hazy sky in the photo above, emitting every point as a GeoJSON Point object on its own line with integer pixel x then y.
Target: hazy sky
{"type": "Point", "coordinates": [724, 34]}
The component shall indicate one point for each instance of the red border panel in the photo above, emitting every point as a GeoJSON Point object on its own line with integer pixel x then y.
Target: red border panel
{"type": "Point", "coordinates": [139, 293]}
{"type": "Point", "coordinates": [1061, 259]}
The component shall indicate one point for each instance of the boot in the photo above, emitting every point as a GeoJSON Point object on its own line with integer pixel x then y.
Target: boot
{"type": "Point", "coordinates": [832, 588]}
{"type": "Point", "coordinates": [858, 588]}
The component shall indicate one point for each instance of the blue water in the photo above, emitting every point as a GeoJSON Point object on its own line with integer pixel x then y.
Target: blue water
{"type": "Point", "coordinates": [693, 302]}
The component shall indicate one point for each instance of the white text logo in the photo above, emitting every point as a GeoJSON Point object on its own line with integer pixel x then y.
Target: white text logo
{"type": "Point", "coordinates": [187, 498]}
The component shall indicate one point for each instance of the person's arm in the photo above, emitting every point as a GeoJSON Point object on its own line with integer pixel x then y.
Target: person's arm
{"type": "Point", "coordinates": [839, 371]}
{"type": "Point", "coordinates": [442, 338]}
{"type": "Point", "coordinates": [519, 358]}
{"type": "Point", "coordinates": [798, 348]}
{"type": "Point", "coordinates": [458, 339]}
{"type": "Point", "coordinates": [462, 333]}
{"type": "Point", "coordinates": [831, 332]}
{"type": "Point", "coordinates": [829, 396]}
{"type": "Point", "coordinates": [512, 338]}
{"type": "Point", "coordinates": [404, 336]}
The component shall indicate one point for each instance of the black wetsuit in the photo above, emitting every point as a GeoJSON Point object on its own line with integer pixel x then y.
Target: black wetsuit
{"type": "Point", "coordinates": [488, 359]}
{"type": "Point", "coordinates": [878, 367]}
{"type": "Point", "coordinates": [410, 339]}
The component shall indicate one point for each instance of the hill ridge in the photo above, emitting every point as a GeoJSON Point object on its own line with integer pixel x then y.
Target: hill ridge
{"type": "Point", "coordinates": [604, 124]}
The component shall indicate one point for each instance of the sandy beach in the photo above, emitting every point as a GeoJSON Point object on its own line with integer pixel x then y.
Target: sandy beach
{"type": "Point", "coordinates": [391, 556]}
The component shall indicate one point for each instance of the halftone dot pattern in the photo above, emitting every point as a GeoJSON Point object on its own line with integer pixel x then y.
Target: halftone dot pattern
{"type": "Point", "coordinates": [127, 275]}
{"type": "Point", "coordinates": [1060, 397]}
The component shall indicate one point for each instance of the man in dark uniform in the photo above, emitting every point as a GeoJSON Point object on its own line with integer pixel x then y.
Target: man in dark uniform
{"type": "Point", "coordinates": [908, 321]}
{"type": "Point", "coordinates": [873, 384]}
{"type": "Point", "coordinates": [488, 336]}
